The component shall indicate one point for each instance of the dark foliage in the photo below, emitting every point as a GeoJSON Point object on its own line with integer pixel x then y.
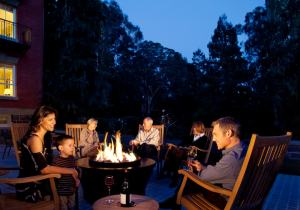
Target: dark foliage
{"type": "Point", "coordinates": [97, 64]}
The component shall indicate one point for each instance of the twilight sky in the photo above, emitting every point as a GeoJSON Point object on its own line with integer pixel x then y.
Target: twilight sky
{"type": "Point", "coordinates": [184, 26]}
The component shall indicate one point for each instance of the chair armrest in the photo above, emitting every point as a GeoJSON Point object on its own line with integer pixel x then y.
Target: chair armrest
{"type": "Point", "coordinates": [158, 147]}
{"type": "Point", "coordinates": [207, 185]}
{"type": "Point", "coordinates": [198, 149]}
{"type": "Point", "coordinates": [170, 146]}
{"type": "Point", "coordinates": [28, 179]}
{"type": "Point", "coordinates": [202, 150]}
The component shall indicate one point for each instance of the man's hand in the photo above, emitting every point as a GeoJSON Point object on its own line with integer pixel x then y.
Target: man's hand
{"type": "Point", "coordinates": [133, 142]}
{"type": "Point", "coordinates": [197, 165]}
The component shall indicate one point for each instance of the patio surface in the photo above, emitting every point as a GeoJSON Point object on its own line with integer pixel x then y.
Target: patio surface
{"type": "Point", "coordinates": [284, 195]}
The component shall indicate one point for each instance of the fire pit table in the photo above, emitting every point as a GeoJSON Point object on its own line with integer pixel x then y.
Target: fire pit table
{"type": "Point", "coordinates": [93, 176]}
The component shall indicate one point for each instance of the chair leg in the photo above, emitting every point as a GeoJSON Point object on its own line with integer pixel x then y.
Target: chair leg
{"type": "Point", "coordinates": [4, 152]}
{"type": "Point", "coordinates": [158, 168]}
{"type": "Point", "coordinates": [6, 149]}
{"type": "Point", "coordinates": [159, 163]}
{"type": "Point", "coordinates": [9, 150]}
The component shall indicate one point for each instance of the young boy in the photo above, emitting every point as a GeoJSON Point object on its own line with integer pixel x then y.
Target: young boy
{"type": "Point", "coordinates": [66, 185]}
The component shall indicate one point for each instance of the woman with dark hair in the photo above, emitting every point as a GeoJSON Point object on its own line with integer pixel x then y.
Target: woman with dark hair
{"type": "Point", "coordinates": [34, 156]}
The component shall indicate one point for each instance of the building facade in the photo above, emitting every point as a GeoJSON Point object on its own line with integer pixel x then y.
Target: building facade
{"type": "Point", "coordinates": [21, 59]}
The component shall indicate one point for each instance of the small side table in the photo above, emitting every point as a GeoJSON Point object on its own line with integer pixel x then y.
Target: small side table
{"type": "Point", "coordinates": [141, 203]}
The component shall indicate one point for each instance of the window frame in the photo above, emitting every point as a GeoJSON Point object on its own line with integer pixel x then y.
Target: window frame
{"type": "Point", "coordinates": [12, 82]}
{"type": "Point", "coordinates": [13, 22]}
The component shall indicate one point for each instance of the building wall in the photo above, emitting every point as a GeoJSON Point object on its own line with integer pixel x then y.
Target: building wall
{"type": "Point", "coordinates": [29, 68]}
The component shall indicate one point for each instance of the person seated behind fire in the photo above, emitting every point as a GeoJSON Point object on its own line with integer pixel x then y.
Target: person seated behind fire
{"type": "Point", "coordinates": [146, 141]}
{"type": "Point", "coordinates": [177, 154]}
{"type": "Point", "coordinates": [89, 139]}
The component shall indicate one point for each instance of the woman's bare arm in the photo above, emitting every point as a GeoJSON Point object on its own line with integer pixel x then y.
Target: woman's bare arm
{"type": "Point", "coordinates": [59, 170]}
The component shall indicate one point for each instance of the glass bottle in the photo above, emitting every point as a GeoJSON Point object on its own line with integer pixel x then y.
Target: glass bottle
{"type": "Point", "coordinates": [125, 197]}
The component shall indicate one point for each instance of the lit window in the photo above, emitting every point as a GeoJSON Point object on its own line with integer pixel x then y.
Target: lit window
{"type": "Point", "coordinates": [7, 21]}
{"type": "Point", "coordinates": [7, 80]}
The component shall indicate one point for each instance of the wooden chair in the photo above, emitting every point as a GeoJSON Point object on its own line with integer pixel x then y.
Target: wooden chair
{"type": "Point", "coordinates": [258, 172]}
{"type": "Point", "coordinates": [74, 130]}
{"type": "Point", "coordinates": [208, 133]}
{"type": "Point", "coordinates": [18, 130]}
{"type": "Point", "coordinates": [9, 201]}
{"type": "Point", "coordinates": [161, 129]}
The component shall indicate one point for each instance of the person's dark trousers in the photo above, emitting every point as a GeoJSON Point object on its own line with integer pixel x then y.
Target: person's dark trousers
{"type": "Point", "coordinates": [147, 151]}
{"type": "Point", "coordinates": [173, 162]}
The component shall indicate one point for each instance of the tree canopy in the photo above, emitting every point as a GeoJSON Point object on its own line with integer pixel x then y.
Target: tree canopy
{"type": "Point", "coordinates": [98, 64]}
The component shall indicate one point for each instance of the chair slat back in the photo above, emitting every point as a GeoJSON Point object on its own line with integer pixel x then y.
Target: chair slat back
{"type": "Point", "coordinates": [74, 130]}
{"type": "Point", "coordinates": [18, 131]}
{"type": "Point", "coordinates": [161, 129]}
{"type": "Point", "coordinates": [262, 162]}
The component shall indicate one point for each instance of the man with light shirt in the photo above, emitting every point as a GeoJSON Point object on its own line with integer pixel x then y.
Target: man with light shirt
{"type": "Point", "coordinates": [146, 140]}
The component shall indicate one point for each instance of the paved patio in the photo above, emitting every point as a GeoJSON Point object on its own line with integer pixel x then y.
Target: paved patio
{"type": "Point", "coordinates": [284, 195]}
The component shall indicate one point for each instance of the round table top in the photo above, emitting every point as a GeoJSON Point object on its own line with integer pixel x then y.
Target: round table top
{"type": "Point", "coordinates": [141, 203]}
{"type": "Point", "coordinates": [84, 163]}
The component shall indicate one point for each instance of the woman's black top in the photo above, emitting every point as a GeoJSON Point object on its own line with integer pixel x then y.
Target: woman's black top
{"type": "Point", "coordinates": [31, 164]}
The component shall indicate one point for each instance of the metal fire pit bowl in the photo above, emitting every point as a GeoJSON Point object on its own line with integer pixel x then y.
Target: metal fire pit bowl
{"type": "Point", "coordinates": [108, 164]}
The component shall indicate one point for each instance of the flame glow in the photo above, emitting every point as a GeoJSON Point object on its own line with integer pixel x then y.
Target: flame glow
{"type": "Point", "coordinates": [114, 153]}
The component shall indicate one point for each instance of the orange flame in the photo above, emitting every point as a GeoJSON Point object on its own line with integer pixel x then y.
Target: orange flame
{"type": "Point", "coordinates": [114, 153]}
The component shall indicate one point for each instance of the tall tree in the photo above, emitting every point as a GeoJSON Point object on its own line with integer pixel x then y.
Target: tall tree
{"type": "Point", "coordinates": [227, 72]}
{"type": "Point", "coordinates": [73, 40]}
{"type": "Point", "coordinates": [273, 52]}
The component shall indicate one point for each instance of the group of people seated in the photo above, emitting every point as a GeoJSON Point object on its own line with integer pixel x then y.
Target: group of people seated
{"type": "Point", "coordinates": [34, 158]}
{"type": "Point", "coordinates": [198, 143]}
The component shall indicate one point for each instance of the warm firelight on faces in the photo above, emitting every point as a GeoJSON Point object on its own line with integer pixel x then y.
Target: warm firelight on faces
{"type": "Point", "coordinates": [67, 148]}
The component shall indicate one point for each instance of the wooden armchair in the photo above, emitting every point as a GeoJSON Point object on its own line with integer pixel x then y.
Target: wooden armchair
{"type": "Point", "coordinates": [18, 130]}
{"type": "Point", "coordinates": [74, 130]}
{"type": "Point", "coordinates": [10, 202]}
{"type": "Point", "coordinates": [257, 174]}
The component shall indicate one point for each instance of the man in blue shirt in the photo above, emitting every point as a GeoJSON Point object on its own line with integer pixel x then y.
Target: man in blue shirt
{"type": "Point", "coordinates": [226, 132]}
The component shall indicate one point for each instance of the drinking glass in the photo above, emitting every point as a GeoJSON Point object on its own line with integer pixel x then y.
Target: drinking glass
{"type": "Point", "coordinates": [192, 154]}
{"type": "Point", "coordinates": [109, 181]}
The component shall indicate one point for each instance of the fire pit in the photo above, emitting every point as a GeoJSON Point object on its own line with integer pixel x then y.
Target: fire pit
{"type": "Point", "coordinates": [92, 178]}
{"type": "Point", "coordinates": [112, 161]}
{"type": "Point", "coordinates": [112, 156]}
{"type": "Point", "coordinates": [108, 164]}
